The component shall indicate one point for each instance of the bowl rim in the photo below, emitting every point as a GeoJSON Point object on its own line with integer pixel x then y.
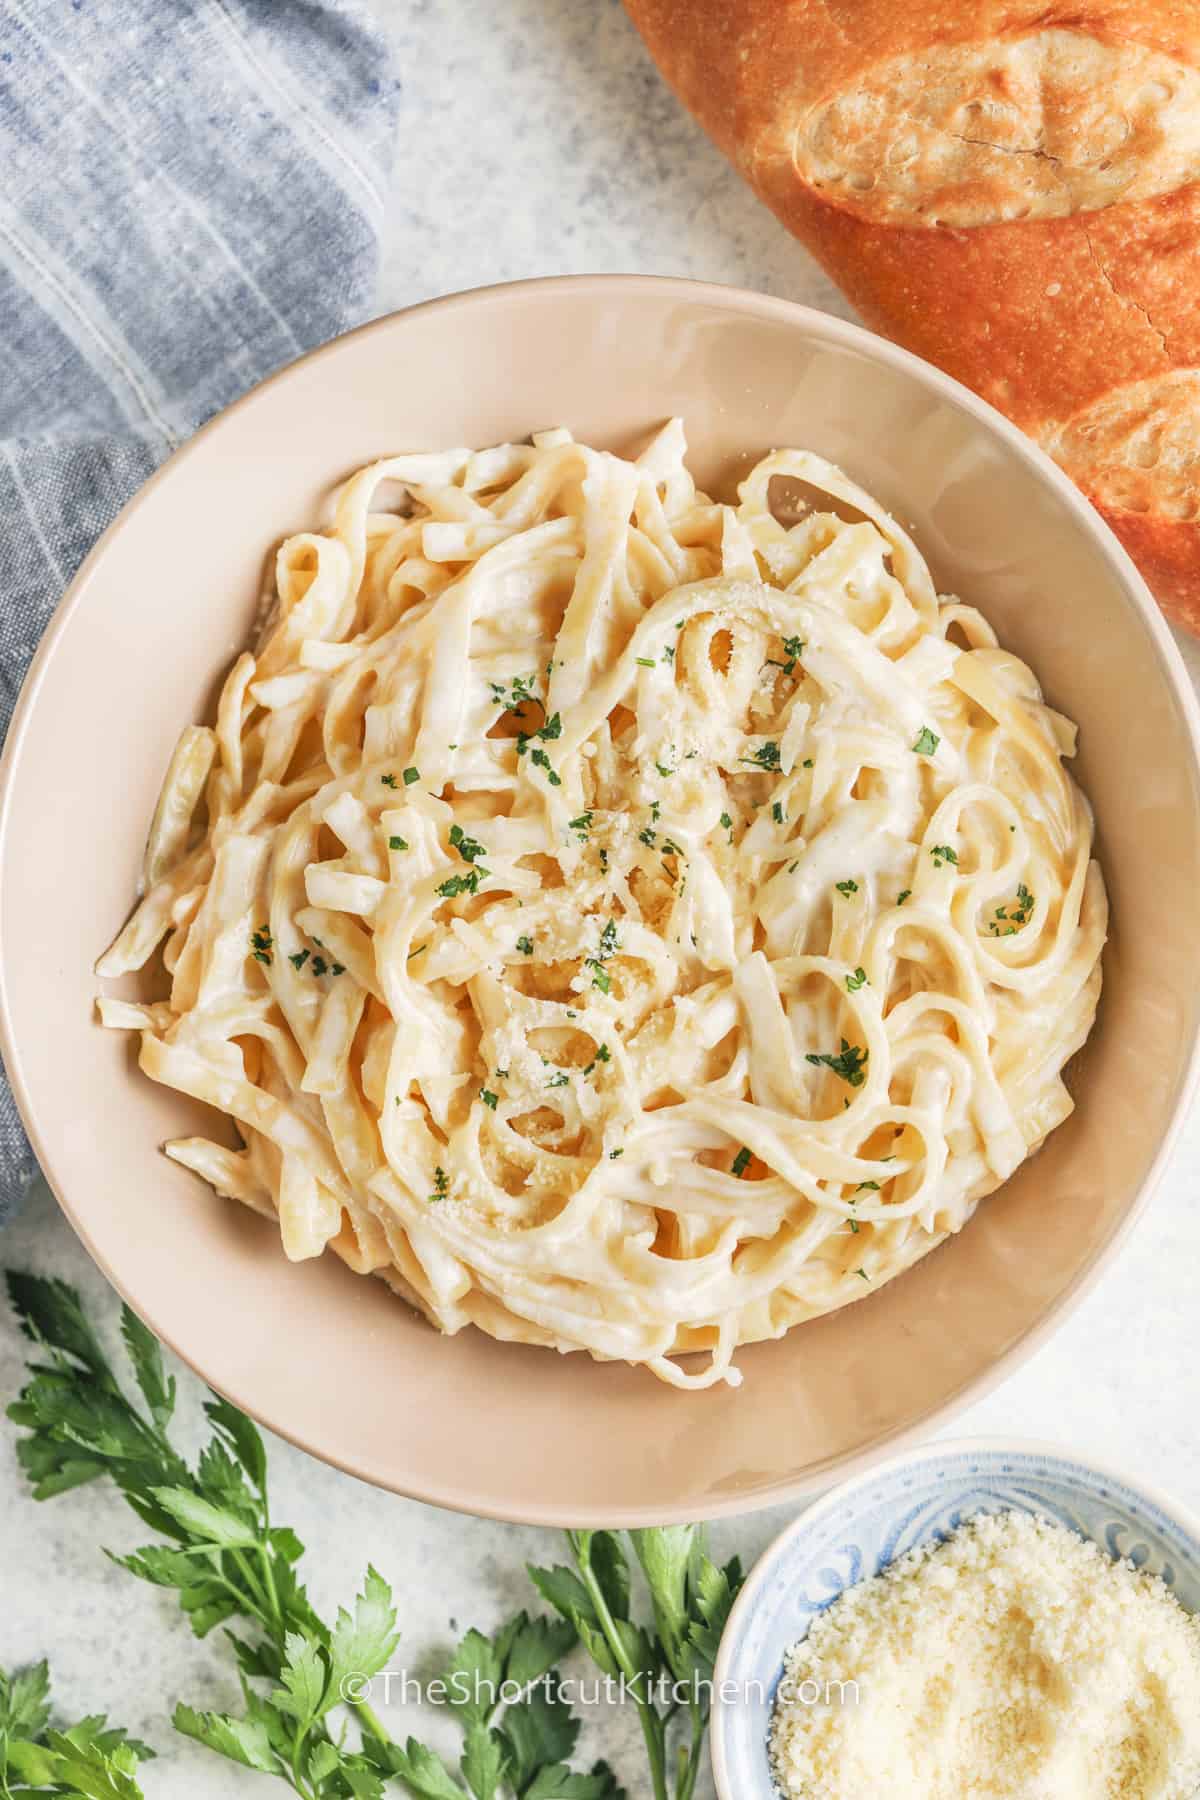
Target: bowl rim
{"type": "Point", "coordinates": [831, 330]}
{"type": "Point", "coordinates": [985, 1444]}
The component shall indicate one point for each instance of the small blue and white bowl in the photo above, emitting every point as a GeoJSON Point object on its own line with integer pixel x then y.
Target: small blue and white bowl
{"type": "Point", "coordinates": [855, 1530]}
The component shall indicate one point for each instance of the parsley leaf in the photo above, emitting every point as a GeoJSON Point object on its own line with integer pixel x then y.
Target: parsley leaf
{"type": "Point", "coordinates": [525, 946]}
{"type": "Point", "coordinates": [462, 884]}
{"type": "Point", "coordinates": [522, 692]}
{"type": "Point", "coordinates": [855, 981]}
{"type": "Point", "coordinates": [927, 742]}
{"type": "Point", "coordinates": [740, 1163]}
{"type": "Point", "coordinates": [849, 1064]}
{"type": "Point", "coordinates": [226, 1559]}
{"type": "Point", "coordinates": [942, 853]}
{"type": "Point", "coordinates": [469, 848]}
{"type": "Point", "coordinates": [766, 756]}
{"type": "Point", "coordinates": [846, 887]}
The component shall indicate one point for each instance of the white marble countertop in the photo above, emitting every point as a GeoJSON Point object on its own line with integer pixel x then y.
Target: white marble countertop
{"type": "Point", "coordinates": [536, 139]}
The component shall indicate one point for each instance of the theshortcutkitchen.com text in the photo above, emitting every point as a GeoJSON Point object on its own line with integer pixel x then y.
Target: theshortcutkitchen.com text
{"type": "Point", "coordinates": [470, 1688]}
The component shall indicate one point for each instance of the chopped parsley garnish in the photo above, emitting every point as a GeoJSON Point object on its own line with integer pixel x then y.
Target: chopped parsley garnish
{"type": "Point", "coordinates": [603, 1055]}
{"type": "Point", "coordinates": [655, 810]}
{"type": "Point", "coordinates": [942, 853]}
{"type": "Point", "coordinates": [855, 981]}
{"type": "Point", "coordinates": [462, 884]}
{"type": "Point", "coordinates": [765, 757]}
{"type": "Point", "coordinates": [792, 867]}
{"type": "Point", "coordinates": [548, 732]}
{"type": "Point", "coordinates": [903, 895]}
{"type": "Point", "coordinates": [807, 763]}
{"type": "Point", "coordinates": [1006, 924]}
{"type": "Point", "coordinates": [559, 1080]}
{"type": "Point", "coordinates": [411, 775]}
{"type": "Point", "coordinates": [777, 812]}
{"type": "Point", "coordinates": [846, 887]}
{"type": "Point", "coordinates": [319, 965]}
{"type": "Point", "coordinates": [581, 826]}
{"type": "Point", "coordinates": [727, 822]}
{"type": "Point", "coordinates": [645, 662]}
{"type": "Point", "coordinates": [648, 836]}
{"type": "Point", "coordinates": [522, 692]}
{"type": "Point", "coordinates": [608, 946]}
{"type": "Point", "coordinates": [613, 1155]}
{"type": "Point", "coordinates": [416, 952]}
{"type": "Point", "coordinates": [669, 653]}
{"type": "Point", "coordinates": [863, 1273]}
{"type": "Point", "coordinates": [337, 969]}
{"type": "Point", "coordinates": [873, 1186]}
{"type": "Point", "coordinates": [525, 946]}
{"type": "Point", "coordinates": [927, 742]}
{"type": "Point", "coordinates": [469, 848]}
{"type": "Point", "coordinates": [671, 848]}
{"type": "Point", "coordinates": [388, 780]}
{"type": "Point", "coordinates": [488, 1098]}
{"type": "Point", "coordinates": [543, 762]}
{"type": "Point", "coordinates": [740, 1163]}
{"type": "Point", "coordinates": [663, 770]}
{"type": "Point", "coordinates": [850, 1064]}
{"type": "Point", "coordinates": [397, 843]}
{"type": "Point", "coordinates": [260, 944]}
{"type": "Point", "coordinates": [604, 859]}
{"type": "Point", "coordinates": [299, 958]}
{"type": "Point", "coordinates": [794, 650]}
{"type": "Point", "coordinates": [441, 1185]}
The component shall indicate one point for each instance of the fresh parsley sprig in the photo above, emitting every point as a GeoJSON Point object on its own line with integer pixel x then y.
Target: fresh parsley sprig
{"type": "Point", "coordinates": [92, 1759]}
{"type": "Point", "coordinates": [226, 1560]}
{"type": "Point", "coordinates": [667, 1669]}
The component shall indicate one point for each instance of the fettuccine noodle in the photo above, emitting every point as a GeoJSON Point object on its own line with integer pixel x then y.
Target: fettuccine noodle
{"type": "Point", "coordinates": [621, 921]}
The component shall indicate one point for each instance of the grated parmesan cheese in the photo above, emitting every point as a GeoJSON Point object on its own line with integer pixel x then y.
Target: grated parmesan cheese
{"type": "Point", "coordinates": [1014, 1661]}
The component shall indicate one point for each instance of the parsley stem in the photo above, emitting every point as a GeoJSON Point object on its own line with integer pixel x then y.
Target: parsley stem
{"type": "Point", "coordinates": [278, 1626]}
{"type": "Point", "coordinates": [648, 1716]}
{"type": "Point", "coordinates": [253, 1593]}
{"type": "Point", "coordinates": [370, 1721]}
{"type": "Point", "coordinates": [685, 1786]}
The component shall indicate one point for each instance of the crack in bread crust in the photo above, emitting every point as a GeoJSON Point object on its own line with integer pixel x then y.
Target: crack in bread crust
{"type": "Point", "coordinates": [1039, 126]}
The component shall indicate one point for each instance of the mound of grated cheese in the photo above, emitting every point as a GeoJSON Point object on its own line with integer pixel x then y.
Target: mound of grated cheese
{"type": "Point", "coordinates": [1013, 1661]}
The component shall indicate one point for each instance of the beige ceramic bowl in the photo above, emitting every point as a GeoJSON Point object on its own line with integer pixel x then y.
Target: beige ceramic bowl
{"type": "Point", "coordinates": [153, 619]}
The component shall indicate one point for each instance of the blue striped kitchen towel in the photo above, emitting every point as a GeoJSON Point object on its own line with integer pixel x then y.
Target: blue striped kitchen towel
{"type": "Point", "coordinates": [192, 194]}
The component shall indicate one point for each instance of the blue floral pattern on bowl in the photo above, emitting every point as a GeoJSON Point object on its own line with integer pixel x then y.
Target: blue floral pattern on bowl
{"type": "Point", "coordinates": [857, 1529]}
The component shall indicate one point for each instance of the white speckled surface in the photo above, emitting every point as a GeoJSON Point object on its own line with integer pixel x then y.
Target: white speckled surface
{"type": "Point", "coordinates": [536, 139]}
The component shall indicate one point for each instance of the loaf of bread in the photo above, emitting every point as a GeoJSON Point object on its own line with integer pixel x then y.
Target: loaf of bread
{"type": "Point", "coordinates": [1011, 188]}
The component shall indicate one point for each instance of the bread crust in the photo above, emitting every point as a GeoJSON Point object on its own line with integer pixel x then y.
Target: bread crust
{"type": "Point", "coordinates": [997, 105]}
